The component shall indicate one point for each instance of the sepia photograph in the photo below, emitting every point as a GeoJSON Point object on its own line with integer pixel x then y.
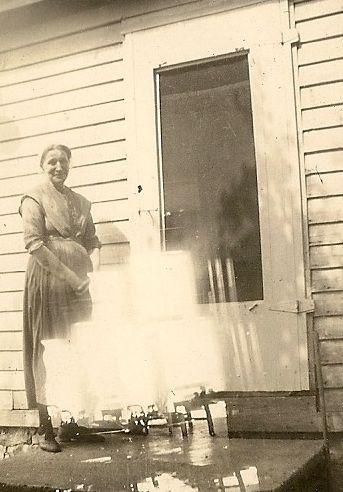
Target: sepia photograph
{"type": "Point", "coordinates": [171, 245]}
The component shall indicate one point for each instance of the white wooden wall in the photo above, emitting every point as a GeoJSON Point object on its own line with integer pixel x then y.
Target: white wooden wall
{"type": "Point", "coordinates": [320, 72]}
{"type": "Point", "coordinates": [68, 90]}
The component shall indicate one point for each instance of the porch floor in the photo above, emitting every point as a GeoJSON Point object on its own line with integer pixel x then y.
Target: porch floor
{"type": "Point", "coordinates": [169, 463]}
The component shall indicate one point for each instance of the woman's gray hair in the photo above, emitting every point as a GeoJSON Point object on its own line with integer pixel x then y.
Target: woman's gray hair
{"type": "Point", "coordinates": [62, 148]}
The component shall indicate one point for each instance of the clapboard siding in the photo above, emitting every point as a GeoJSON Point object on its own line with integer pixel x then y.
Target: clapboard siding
{"type": "Point", "coordinates": [68, 89]}
{"type": "Point", "coordinates": [63, 46]}
{"type": "Point", "coordinates": [325, 185]}
{"type": "Point", "coordinates": [315, 74]}
{"type": "Point", "coordinates": [327, 256]}
{"type": "Point", "coordinates": [84, 77]}
{"type": "Point", "coordinates": [318, 8]}
{"type": "Point", "coordinates": [314, 119]}
{"type": "Point", "coordinates": [97, 173]}
{"type": "Point", "coordinates": [93, 133]}
{"type": "Point", "coordinates": [324, 280]}
{"type": "Point", "coordinates": [325, 210]}
{"type": "Point", "coordinates": [321, 95]}
{"type": "Point", "coordinates": [11, 321]}
{"type": "Point", "coordinates": [88, 95]}
{"type": "Point", "coordinates": [321, 51]}
{"type": "Point", "coordinates": [11, 361]}
{"type": "Point", "coordinates": [320, 78]}
{"type": "Point", "coordinates": [329, 327]}
{"type": "Point", "coordinates": [62, 120]}
{"type": "Point", "coordinates": [328, 161]}
{"type": "Point", "coordinates": [44, 70]}
{"type": "Point", "coordinates": [321, 27]}
{"type": "Point", "coordinates": [81, 156]}
{"type": "Point", "coordinates": [325, 234]}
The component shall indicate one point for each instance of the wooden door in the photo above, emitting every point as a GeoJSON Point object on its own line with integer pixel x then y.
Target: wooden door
{"type": "Point", "coordinates": [210, 109]}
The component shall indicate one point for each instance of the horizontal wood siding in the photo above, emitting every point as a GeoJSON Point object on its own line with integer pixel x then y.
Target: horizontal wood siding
{"type": "Point", "coordinates": [67, 90]}
{"type": "Point", "coordinates": [320, 72]}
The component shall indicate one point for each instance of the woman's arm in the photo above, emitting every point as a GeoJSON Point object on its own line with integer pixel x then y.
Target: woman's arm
{"type": "Point", "coordinates": [34, 231]}
{"type": "Point", "coordinates": [92, 243]}
{"type": "Point", "coordinates": [50, 262]}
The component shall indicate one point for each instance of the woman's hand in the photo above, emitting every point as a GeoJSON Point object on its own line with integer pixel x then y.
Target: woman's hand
{"type": "Point", "coordinates": [83, 287]}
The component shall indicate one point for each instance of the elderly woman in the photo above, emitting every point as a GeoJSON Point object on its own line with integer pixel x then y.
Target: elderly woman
{"type": "Point", "coordinates": [60, 236]}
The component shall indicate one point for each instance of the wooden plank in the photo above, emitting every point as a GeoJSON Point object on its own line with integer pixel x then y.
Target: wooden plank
{"type": "Point", "coordinates": [325, 234]}
{"type": "Point", "coordinates": [118, 209]}
{"type": "Point", "coordinates": [98, 173]}
{"type": "Point", "coordinates": [61, 46]}
{"type": "Point", "coordinates": [13, 263]}
{"type": "Point", "coordinates": [11, 361]}
{"type": "Point", "coordinates": [11, 281]}
{"type": "Point", "coordinates": [15, 187]}
{"type": "Point", "coordinates": [19, 418]}
{"type": "Point", "coordinates": [19, 400]}
{"type": "Point", "coordinates": [112, 232]}
{"type": "Point", "coordinates": [331, 351]}
{"type": "Point", "coordinates": [10, 223]}
{"type": "Point", "coordinates": [11, 340]}
{"type": "Point", "coordinates": [104, 192]}
{"type": "Point", "coordinates": [11, 321]}
{"type": "Point", "coordinates": [71, 63]}
{"type": "Point", "coordinates": [6, 401]}
{"type": "Point", "coordinates": [321, 72]}
{"type": "Point", "coordinates": [78, 98]}
{"type": "Point", "coordinates": [319, 51]}
{"type": "Point", "coordinates": [334, 421]}
{"type": "Point", "coordinates": [329, 327]}
{"type": "Point", "coordinates": [334, 400]}
{"type": "Point", "coordinates": [81, 176]}
{"type": "Point", "coordinates": [11, 301]}
{"type": "Point", "coordinates": [110, 211]}
{"type": "Point", "coordinates": [321, 95]}
{"type": "Point", "coordinates": [10, 205]}
{"type": "Point", "coordinates": [85, 77]}
{"type": "Point", "coordinates": [316, 8]}
{"type": "Point", "coordinates": [112, 254]}
{"type": "Point", "coordinates": [318, 140]}
{"type": "Point", "coordinates": [325, 280]}
{"type": "Point", "coordinates": [322, 117]}
{"type": "Point", "coordinates": [320, 28]}
{"type": "Point", "coordinates": [108, 232]}
{"type": "Point", "coordinates": [328, 184]}
{"type": "Point", "coordinates": [93, 134]}
{"type": "Point", "coordinates": [63, 120]}
{"type": "Point", "coordinates": [19, 166]}
{"type": "Point", "coordinates": [12, 380]}
{"type": "Point", "coordinates": [324, 161]}
{"type": "Point", "coordinates": [329, 304]}
{"type": "Point", "coordinates": [333, 376]}
{"type": "Point", "coordinates": [85, 155]}
{"type": "Point", "coordinates": [325, 209]}
{"type": "Point", "coordinates": [322, 256]}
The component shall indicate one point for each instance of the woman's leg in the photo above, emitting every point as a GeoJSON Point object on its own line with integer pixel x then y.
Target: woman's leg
{"type": "Point", "coordinates": [46, 437]}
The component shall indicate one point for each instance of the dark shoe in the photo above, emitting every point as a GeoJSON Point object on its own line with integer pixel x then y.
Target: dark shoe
{"type": "Point", "coordinates": [48, 443]}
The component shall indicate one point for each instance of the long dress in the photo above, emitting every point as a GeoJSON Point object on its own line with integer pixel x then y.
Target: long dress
{"type": "Point", "coordinates": [61, 221]}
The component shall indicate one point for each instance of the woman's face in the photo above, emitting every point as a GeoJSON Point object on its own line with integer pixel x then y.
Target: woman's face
{"type": "Point", "coordinates": [56, 167]}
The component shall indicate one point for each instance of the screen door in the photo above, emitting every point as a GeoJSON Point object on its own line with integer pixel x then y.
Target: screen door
{"type": "Point", "coordinates": [212, 150]}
